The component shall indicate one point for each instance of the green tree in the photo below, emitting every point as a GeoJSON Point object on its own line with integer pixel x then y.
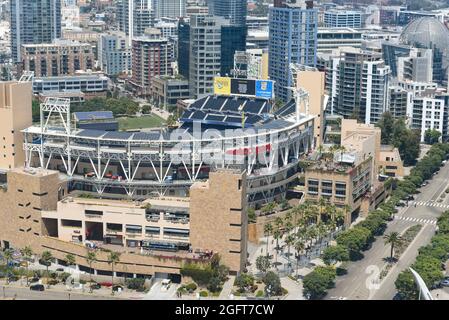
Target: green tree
{"type": "Point", "coordinates": [354, 239]}
{"type": "Point", "coordinates": [251, 215]}
{"type": "Point", "coordinates": [394, 240]}
{"type": "Point", "coordinates": [263, 263]}
{"type": "Point", "coordinates": [70, 259]}
{"type": "Point", "coordinates": [27, 253]}
{"type": "Point", "coordinates": [333, 254]}
{"type": "Point", "coordinates": [407, 141]}
{"type": "Point", "coordinates": [299, 248]}
{"type": "Point", "coordinates": [267, 229]}
{"type": "Point", "coordinates": [386, 124]}
{"type": "Point", "coordinates": [47, 258]}
{"type": "Point", "coordinates": [244, 282]}
{"type": "Point", "coordinates": [406, 286]}
{"type": "Point", "coordinates": [146, 108]}
{"type": "Point", "coordinates": [214, 284]}
{"type": "Point", "coordinates": [8, 255]}
{"type": "Point", "coordinates": [318, 282]}
{"type": "Point", "coordinates": [272, 284]}
{"type": "Point", "coordinates": [113, 259]}
{"type": "Point", "coordinates": [91, 257]}
{"type": "Point", "coordinates": [431, 136]}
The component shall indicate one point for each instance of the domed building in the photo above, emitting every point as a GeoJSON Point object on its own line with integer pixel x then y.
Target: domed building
{"type": "Point", "coordinates": [430, 33]}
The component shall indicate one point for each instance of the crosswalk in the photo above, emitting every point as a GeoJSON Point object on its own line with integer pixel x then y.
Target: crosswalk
{"type": "Point", "coordinates": [419, 220]}
{"type": "Point", "coordinates": [430, 204]}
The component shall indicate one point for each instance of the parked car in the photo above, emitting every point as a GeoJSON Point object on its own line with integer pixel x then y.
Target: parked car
{"type": "Point", "coordinates": [117, 288]}
{"type": "Point", "coordinates": [445, 282]}
{"type": "Point", "coordinates": [95, 286]}
{"type": "Point", "coordinates": [13, 278]}
{"type": "Point", "coordinates": [34, 279]}
{"type": "Point", "coordinates": [60, 269]}
{"type": "Point", "coordinates": [37, 287]}
{"type": "Point", "coordinates": [410, 197]}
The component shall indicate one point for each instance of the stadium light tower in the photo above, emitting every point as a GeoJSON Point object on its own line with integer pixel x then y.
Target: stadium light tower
{"type": "Point", "coordinates": [423, 290]}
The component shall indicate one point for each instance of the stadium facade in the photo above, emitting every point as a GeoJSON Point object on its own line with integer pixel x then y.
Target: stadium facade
{"type": "Point", "coordinates": [160, 197]}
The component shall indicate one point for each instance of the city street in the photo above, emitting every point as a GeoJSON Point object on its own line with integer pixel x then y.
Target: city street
{"type": "Point", "coordinates": [354, 285]}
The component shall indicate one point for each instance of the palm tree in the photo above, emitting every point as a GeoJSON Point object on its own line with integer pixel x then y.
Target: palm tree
{"type": "Point", "coordinates": [113, 258]}
{"type": "Point", "coordinates": [8, 256]}
{"type": "Point", "coordinates": [296, 211]}
{"type": "Point", "coordinates": [278, 222]}
{"type": "Point", "coordinates": [70, 259]}
{"type": "Point", "coordinates": [47, 259]}
{"type": "Point", "coordinates": [267, 229]}
{"type": "Point", "coordinates": [394, 239]}
{"type": "Point", "coordinates": [289, 241]}
{"type": "Point", "coordinates": [288, 227]}
{"type": "Point", "coordinates": [322, 203]}
{"type": "Point", "coordinates": [91, 258]}
{"type": "Point", "coordinates": [27, 253]}
{"type": "Point", "coordinates": [276, 235]}
{"type": "Point", "coordinates": [299, 247]}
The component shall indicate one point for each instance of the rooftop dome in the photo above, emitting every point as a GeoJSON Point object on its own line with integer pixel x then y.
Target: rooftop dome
{"type": "Point", "coordinates": [426, 32]}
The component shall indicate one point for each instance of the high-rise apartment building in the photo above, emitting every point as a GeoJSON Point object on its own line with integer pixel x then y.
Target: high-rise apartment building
{"type": "Point", "coordinates": [343, 19]}
{"type": "Point", "coordinates": [169, 8]}
{"type": "Point", "coordinates": [293, 39]}
{"type": "Point", "coordinates": [134, 16]}
{"type": "Point", "coordinates": [233, 10]}
{"type": "Point", "coordinates": [61, 57]}
{"type": "Point", "coordinates": [34, 22]}
{"type": "Point", "coordinates": [234, 35]}
{"type": "Point", "coordinates": [114, 53]}
{"type": "Point", "coordinates": [152, 56]}
{"type": "Point", "coordinates": [357, 82]}
{"type": "Point", "coordinates": [183, 48]}
{"type": "Point", "coordinates": [205, 53]}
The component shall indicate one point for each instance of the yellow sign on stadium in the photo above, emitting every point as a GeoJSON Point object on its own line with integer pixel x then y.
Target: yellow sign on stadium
{"type": "Point", "coordinates": [222, 85]}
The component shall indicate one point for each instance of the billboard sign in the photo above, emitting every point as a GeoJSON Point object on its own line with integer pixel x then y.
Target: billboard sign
{"type": "Point", "coordinates": [222, 85]}
{"type": "Point", "coordinates": [264, 89]}
{"type": "Point", "coordinates": [244, 87]}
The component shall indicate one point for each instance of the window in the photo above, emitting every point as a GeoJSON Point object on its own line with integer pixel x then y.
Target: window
{"type": "Point", "coordinates": [93, 213]}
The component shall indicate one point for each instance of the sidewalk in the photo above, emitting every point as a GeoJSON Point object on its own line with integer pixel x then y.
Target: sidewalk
{"type": "Point", "coordinates": [294, 289]}
{"type": "Point", "coordinates": [60, 288]}
{"type": "Point", "coordinates": [227, 288]}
